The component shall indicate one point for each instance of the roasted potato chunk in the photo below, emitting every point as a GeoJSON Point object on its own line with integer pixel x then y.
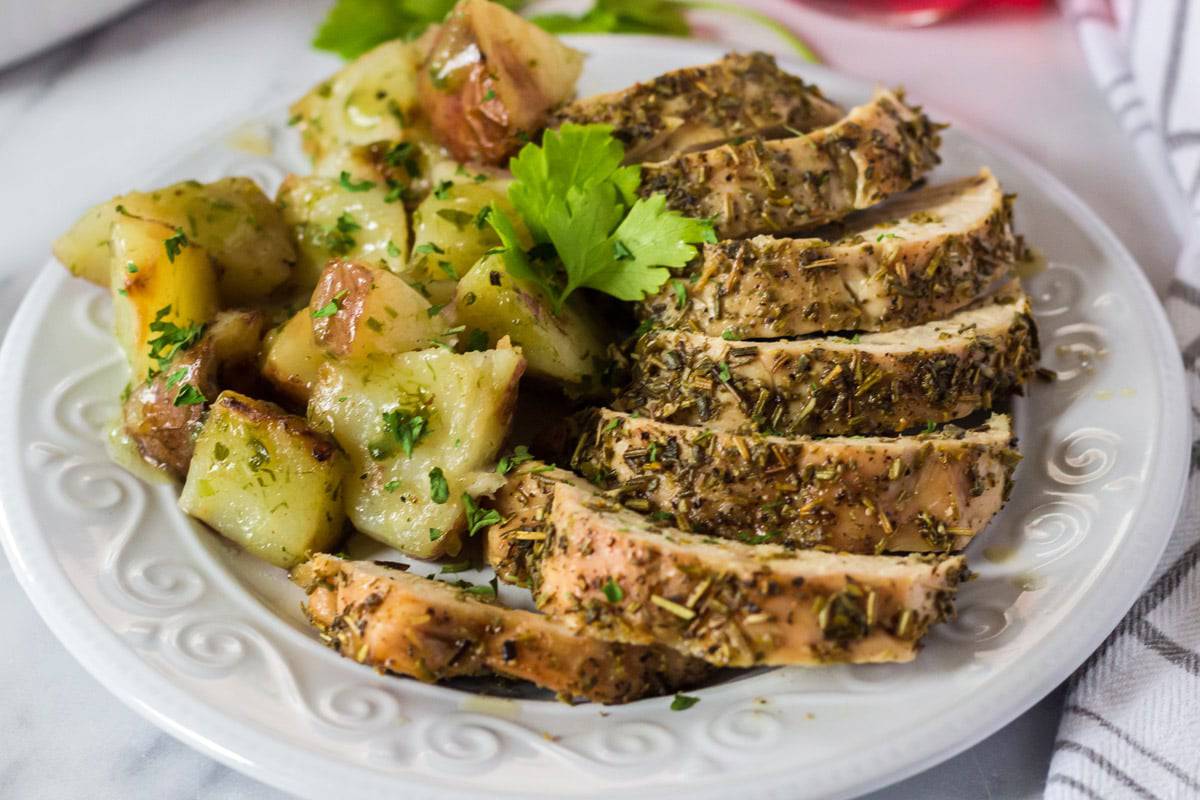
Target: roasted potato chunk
{"type": "Point", "coordinates": [237, 338]}
{"type": "Point", "coordinates": [359, 311]}
{"type": "Point", "coordinates": [164, 291]}
{"type": "Point", "coordinates": [490, 78]}
{"type": "Point", "coordinates": [262, 478]}
{"type": "Point", "coordinates": [333, 218]}
{"type": "Point", "coordinates": [422, 430]}
{"type": "Point", "coordinates": [567, 347]}
{"type": "Point", "coordinates": [409, 171]}
{"type": "Point", "coordinates": [291, 357]}
{"type": "Point", "coordinates": [231, 219]}
{"type": "Point", "coordinates": [162, 416]}
{"type": "Point", "coordinates": [450, 229]}
{"type": "Point", "coordinates": [372, 98]}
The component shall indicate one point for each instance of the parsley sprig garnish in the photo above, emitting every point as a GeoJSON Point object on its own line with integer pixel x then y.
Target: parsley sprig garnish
{"type": "Point", "coordinates": [590, 229]}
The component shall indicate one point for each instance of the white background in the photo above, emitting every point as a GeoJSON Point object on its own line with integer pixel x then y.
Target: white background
{"type": "Point", "coordinates": [89, 119]}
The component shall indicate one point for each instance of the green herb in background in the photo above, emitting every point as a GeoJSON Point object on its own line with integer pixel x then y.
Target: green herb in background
{"type": "Point", "coordinates": [663, 17]}
{"type": "Point", "coordinates": [352, 27]}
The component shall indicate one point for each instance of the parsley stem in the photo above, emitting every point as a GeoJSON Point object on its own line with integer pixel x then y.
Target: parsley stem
{"type": "Point", "coordinates": [778, 28]}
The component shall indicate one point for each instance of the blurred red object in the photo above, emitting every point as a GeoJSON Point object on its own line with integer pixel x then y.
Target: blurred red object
{"type": "Point", "coordinates": [912, 12]}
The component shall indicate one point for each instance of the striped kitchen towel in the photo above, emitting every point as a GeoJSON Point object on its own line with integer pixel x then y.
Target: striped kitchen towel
{"type": "Point", "coordinates": [1131, 724]}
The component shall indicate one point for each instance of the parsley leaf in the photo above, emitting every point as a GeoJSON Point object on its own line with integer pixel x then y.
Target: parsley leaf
{"type": "Point", "coordinates": [481, 218]}
{"type": "Point", "coordinates": [477, 340]}
{"type": "Point", "coordinates": [176, 376]}
{"type": "Point", "coordinates": [487, 590]}
{"type": "Point", "coordinates": [613, 591]}
{"type": "Point", "coordinates": [574, 157]}
{"type": "Point", "coordinates": [459, 219]}
{"type": "Point", "coordinates": [171, 338]}
{"type": "Point", "coordinates": [681, 294]}
{"type": "Point", "coordinates": [407, 428]}
{"type": "Point", "coordinates": [174, 246]}
{"type": "Point", "coordinates": [189, 395]}
{"type": "Point", "coordinates": [575, 197]}
{"type": "Point", "coordinates": [439, 490]}
{"type": "Point", "coordinates": [519, 455]}
{"type": "Point", "coordinates": [479, 518]}
{"type": "Point", "coordinates": [332, 307]}
{"type": "Point", "coordinates": [337, 238]}
{"type": "Point", "coordinates": [354, 186]}
{"type": "Point", "coordinates": [402, 155]}
{"type": "Point", "coordinates": [682, 702]}
{"type": "Point", "coordinates": [327, 310]}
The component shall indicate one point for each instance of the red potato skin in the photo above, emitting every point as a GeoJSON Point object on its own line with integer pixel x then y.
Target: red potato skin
{"type": "Point", "coordinates": [164, 433]}
{"type": "Point", "coordinates": [347, 284]}
{"type": "Point", "coordinates": [490, 80]}
{"type": "Point", "coordinates": [472, 129]}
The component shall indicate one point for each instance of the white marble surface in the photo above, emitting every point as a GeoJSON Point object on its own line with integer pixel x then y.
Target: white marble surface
{"type": "Point", "coordinates": [92, 117]}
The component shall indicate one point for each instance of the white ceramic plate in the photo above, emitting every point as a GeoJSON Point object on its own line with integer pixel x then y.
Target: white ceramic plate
{"type": "Point", "coordinates": [210, 644]}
